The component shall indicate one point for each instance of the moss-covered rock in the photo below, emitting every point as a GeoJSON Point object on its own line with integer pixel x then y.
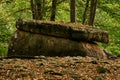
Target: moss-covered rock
{"type": "Point", "coordinates": [26, 43]}
{"type": "Point", "coordinates": [73, 31]}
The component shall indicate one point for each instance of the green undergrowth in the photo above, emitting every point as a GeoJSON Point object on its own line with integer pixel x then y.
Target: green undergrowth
{"type": "Point", "coordinates": [3, 49]}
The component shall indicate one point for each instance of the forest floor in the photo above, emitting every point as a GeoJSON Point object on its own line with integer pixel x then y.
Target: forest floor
{"type": "Point", "coordinates": [60, 68]}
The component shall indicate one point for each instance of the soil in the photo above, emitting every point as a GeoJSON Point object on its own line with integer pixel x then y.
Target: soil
{"type": "Point", "coordinates": [60, 68]}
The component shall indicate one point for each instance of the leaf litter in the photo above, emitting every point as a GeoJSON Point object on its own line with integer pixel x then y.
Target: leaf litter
{"type": "Point", "coordinates": [60, 68]}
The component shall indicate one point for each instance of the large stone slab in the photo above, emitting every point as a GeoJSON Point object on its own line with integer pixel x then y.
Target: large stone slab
{"type": "Point", "coordinates": [73, 31]}
{"type": "Point", "coordinates": [31, 44]}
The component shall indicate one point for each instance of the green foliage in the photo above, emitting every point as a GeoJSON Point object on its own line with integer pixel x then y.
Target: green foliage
{"type": "Point", "coordinates": [10, 11]}
{"type": "Point", "coordinates": [107, 18]}
{"type": "Point", "coordinates": [3, 49]}
{"type": "Point", "coordinates": [63, 12]}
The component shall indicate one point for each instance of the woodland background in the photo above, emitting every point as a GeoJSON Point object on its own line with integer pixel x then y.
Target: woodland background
{"type": "Point", "coordinates": [107, 17]}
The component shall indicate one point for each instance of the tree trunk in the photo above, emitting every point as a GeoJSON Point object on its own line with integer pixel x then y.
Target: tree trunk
{"type": "Point", "coordinates": [37, 9]}
{"type": "Point", "coordinates": [33, 8]}
{"type": "Point", "coordinates": [72, 11]}
{"type": "Point", "coordinates": [53, 11]}
{"type": "Point", "coordinates": [85, 12]}
{"type": "Point", "coordinates": [39, 5]}
{"type": "Point", "coordinates": [92, 12]}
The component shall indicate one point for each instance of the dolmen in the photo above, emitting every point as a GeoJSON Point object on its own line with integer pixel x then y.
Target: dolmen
{"type": "Point", "coordinates": [48, 38]}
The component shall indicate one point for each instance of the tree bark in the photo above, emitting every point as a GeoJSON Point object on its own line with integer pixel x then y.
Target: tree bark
{"type": "Point", "coordinates": [53, 11]}
{"type": "Point", "coordinates": [37, 9]}
{"type": "Point", "coordinates": [39, 6]}
{"type": "Point", "coordinates": [72, 11]}
{"type": "Point", "coordinates": [85, 12]}
{"type": "Point", "coordinates": [92, 12]}
{"type": "Point", "coordinates": [33, 8]}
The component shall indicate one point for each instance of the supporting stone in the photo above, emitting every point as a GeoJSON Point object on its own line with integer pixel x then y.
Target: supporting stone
{"type": "Point", "coordinates": [31, 44]}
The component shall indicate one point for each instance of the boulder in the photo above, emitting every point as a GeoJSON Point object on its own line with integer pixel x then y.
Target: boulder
{"type": "Point", "coordinates": [35, 38]}
{"type": "Point", "coordinates": [30, 44]}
